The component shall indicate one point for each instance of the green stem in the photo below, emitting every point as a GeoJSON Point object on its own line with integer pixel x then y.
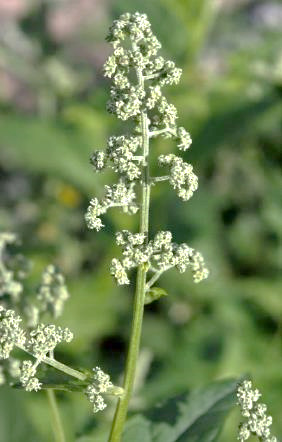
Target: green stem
{"type": "Point", "coordinates": [138, 308]}
{"type": "Point", "coordinates": [59, 435]}
{"type": "Point", "coordinates": [58, 365]}
{"type": "Point", "coordinates": [154, 279]}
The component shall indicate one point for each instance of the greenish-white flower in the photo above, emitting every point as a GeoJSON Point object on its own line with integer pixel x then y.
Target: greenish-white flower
{"type": "Point", "coordinates": [257, 422]}
{"type": "Point", "coordinates": [100, 384]}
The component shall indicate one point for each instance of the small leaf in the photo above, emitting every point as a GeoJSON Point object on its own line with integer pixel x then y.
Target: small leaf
{"type": "Point", "coordinates": [137, 429]}
{"type": "Point", "coordinates": [154, 294]}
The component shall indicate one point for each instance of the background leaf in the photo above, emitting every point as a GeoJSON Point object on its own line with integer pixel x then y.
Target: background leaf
{"type": "Point", "coordinates": [138, 429]}
{"type": "Point", "coordinates": [200, 416]}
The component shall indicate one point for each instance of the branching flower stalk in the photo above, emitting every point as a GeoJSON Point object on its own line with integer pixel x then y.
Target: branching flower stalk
{"type": "Point", "coordinates": [21, 327]}
{"type": "Point", "coordinates": [138, 76]}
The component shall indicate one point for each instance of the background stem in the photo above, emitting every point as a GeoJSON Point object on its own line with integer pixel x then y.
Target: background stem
{"type": "Point", "coordinates": [59, 435]}
{"type": "Point", "coordinates": [138, 308]}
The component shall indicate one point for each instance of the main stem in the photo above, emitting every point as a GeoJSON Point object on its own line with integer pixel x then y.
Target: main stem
{"type": "Point", "coordinates": [138, 308]}
{"type": "Point", "coordinates": [56, 418]}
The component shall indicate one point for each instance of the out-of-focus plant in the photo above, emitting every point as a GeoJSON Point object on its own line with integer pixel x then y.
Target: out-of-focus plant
{"type": "Point", "coordinates": [231, 96]}
{"type": "Point", "coordinates": [21, 328]}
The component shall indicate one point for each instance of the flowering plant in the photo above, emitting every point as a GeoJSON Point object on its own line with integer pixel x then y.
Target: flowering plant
{"type": "Point", "coordinates": [138, 75]}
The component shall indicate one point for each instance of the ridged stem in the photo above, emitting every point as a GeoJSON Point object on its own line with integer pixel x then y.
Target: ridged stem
{"type": "Point", "coordinates": [138, 307]}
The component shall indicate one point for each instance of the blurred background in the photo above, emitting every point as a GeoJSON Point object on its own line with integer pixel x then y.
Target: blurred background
{"type": "Point", "coordinates": [52, 104]}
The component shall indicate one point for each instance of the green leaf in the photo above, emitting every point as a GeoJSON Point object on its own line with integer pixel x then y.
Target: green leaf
{"type": "Point", "coordinates": [200, 416]}
{"type": "Point", "coordinates": [154, 294]}
{"type": "Point", "coordinates": [43, 147]}
{"type": "Point", "coordinates": [138, 430]}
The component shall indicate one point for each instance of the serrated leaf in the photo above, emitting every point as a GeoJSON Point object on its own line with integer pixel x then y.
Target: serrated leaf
{"type": "Point", "coordinates": [138, 429]}
{"type": "Point", "coordinates": [154, 294]}
{"type": "Point", "coordinates": [200, 416]}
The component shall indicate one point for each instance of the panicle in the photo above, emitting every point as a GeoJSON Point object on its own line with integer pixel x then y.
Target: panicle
{"type": "Point", "coordinates": [257, 422]}
{"type": "Point", "coordinates": [160, 254]}
{"type": "Point", "coordinates": [139, 97]}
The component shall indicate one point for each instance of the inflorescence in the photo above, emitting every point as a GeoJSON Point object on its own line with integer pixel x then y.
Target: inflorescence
{"type": "Point", "coordinates": [26, 331]}
{"type": "Point", "coordinates": [160, 254]}
{"type": "Point", "coordinates": [9, 286]}
{"type": "Point", "coordinates": [257, 422]}
{"type": "Point", "coordinates": [100, 385]}
{"type": "Point", "coordinates": [39, 342]}
{"type": "Point", "coordinates": [130, 99]}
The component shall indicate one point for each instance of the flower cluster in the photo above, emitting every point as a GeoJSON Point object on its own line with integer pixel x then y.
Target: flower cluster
{"type": "Point", "coordinates": [127, 100]}
{"type": "Point", "coordinates": [121, 157]}
{"type": "Point", "coordinates": [160, 254]}
{"type": "Point", "coordinates": [165, 116]}
{"type": "Point", "coordinates": [135, 50]}
{"type": "Point", "coordinates": [11, 332]}
{"type": "Point", "coordinates": [37, 339]}
{"type": "Point", "coordinates": [39, 342]}
{"type": "Point", "coordinates": [184, 139]}
{"type": "Point", "coordinates": [8, 284]}
{"type": "Point", "coordinates": [126, 103]}
{"type": "Point", "coordinates": [182, 177]}
{"type": "Point", "coordinates": [257, 421]}
{"type": "Point", "coordinates": [27, 377]}
{"type": "Point", "coordinates": [101, 384]}
{"type": "Point", "coordinates": [52, 292]}
{"type": "Point", "coordinates": [163, 72]}
{"type": "Point", "coordinates": [44, 338]}
{"type": "Point", "coordinates": [118, 195]}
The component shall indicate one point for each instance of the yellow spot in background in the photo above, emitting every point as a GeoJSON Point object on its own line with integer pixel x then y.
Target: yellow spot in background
{"type": "Point", "coordinates": [68, 195]}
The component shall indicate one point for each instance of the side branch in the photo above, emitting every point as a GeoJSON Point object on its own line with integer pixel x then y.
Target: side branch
{"type": "Point", "coordinates": [59, 366]}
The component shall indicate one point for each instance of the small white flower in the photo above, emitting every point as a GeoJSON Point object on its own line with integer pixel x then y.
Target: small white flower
{"type": "Point", "coordinates": [44, 338]}
{"type": "Point", "coordinates": [182, 177]}
{"type": "Point", "coordinates": [11, 333]}
{"type": "Point", "coordinates": [257, 422]}
{"type": "Point", "coordinates": [184, 139]}
{"type": "Point", "coordinates": [52, 293]}
{"type": "Point", "coordinates": [94, 210]}
{"type": "Point", "coordinates": [119, 272]}
{"type": "Point", "coordinates": [98, 160]}
{"type": "Point", "coordinates": [101, 384]}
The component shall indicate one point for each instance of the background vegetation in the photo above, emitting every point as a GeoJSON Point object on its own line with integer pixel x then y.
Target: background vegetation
{"type": "Point", "coordinates": [52, 104]}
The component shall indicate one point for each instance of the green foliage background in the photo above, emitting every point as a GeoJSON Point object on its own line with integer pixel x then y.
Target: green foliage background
{"type": "Point", "coordinates": [52, 105]}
